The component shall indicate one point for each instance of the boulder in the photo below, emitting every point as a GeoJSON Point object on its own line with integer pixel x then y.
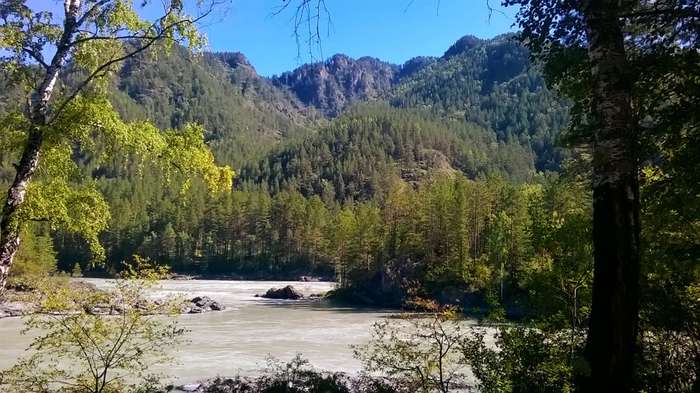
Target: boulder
{"type": "Point", "coordinates": [196, 310]}
{"type": "Point", "coordinates": [205, 303]}
{"type": "Point", "coordinates": [192, 387]}
{"type": "Point", "coordinates": [215, 306]}
{"type": "Point", "coordinates": [202, 301]}
{"type": "Point", "coordinates": [288, 292]}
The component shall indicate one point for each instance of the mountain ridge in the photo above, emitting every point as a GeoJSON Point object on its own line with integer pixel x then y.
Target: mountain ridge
{"type": "Point", "coordinates": [488, 82]}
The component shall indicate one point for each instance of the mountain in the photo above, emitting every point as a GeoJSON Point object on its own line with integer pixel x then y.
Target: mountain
{"type": "Point", "coordinates": [488, 82]}
{"type": "Point", "coordinates": [480, 109]}
{"type": "Point", "coordinates": [340, 81]}
{"type": "Point", "coordinates": [494, 84]}
{"type": "Point", "coordinates": [243, 114]}
{"type": "Point", "coordinates": [330, 134]}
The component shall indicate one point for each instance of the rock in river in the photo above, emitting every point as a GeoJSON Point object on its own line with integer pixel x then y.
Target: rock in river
{"type": "Point", "coordinates": [14, 309]}
{"type": "Point", "coordinates": [288, 292]}
{"type": "Point", "coordinates": [192, 387]}
{"type": "Point", "coordinates": [203, 304]}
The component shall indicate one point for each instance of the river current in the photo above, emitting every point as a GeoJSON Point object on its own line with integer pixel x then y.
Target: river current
{"type": "Point", "coordinates": [240, 339]}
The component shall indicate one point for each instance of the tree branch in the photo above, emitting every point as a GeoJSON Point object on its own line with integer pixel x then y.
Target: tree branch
{"type": "Point", "coordinates": [99, 70]}
{"type": "Point", "coordinates": [308, 14]}
{"type": "Point", "coordinates": [36, 56]}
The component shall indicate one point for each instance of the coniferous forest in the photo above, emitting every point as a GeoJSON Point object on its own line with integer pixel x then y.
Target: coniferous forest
{"type": "Point", "coordinates": [545, 179]}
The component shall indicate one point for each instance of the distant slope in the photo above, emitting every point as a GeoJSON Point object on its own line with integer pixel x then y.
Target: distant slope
{"type": "Point", "coordinates": [494, 84]}
{"type": "Point", "coordinates": [243, 114]}
{"type": "Point", "coordinates": [251, 119]}
{"type": "Point", "coordinates": [488, 82]}
{"type": "Point", "coordinates": [480, 109]}
{"type": "Point", "coordinates": [356, 157]}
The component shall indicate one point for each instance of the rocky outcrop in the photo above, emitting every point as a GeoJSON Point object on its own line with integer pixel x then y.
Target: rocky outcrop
{"type": "Point", "coordinates": [15, 309]}
{"type": "Point", "coordinates": [333, 85]}
{"type": "Point", "coordinates": [197, 305]}
{"type": "Point", "coordinates": [462, 45]}
{"type": "Point", "coordinates": [201, 304]}
{"type": "Point", "coordinates": [288, 292]}
{"type": "Point", "coordinates": [190, 387]}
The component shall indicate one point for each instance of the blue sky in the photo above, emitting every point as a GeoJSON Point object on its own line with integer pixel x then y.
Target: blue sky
{"type": "Point", "coordinates": [392, 30]}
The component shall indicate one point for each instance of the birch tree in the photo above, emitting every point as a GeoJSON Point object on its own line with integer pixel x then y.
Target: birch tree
{"type": "Point", "coordinates": [61, 63]}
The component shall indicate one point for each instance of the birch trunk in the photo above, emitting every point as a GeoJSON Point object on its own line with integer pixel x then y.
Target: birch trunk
{"type": "Point", "coordinates": [10, 227]}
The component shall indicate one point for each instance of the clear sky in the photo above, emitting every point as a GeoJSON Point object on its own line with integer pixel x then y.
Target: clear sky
{"type": "Point", "coordinates": [391, 30]}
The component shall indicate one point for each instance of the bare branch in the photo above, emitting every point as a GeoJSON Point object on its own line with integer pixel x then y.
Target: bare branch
{"type": "Point", "coordinates": [308, 15]}
{"type": "Point", "coordinates": [92, 11]}
{"type": "Point", "coordinates": [493, 10]}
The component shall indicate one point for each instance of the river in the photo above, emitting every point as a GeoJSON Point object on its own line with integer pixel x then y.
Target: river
{"type": "Point", "coordinates": [239, 339]}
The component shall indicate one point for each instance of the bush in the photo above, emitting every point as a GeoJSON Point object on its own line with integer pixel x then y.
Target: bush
{"type": "Point", "coordinates": [78, 350]}
{"type": "Point", "coordinates": [524, 360]}
{"type": "Point", "coordinates": [423, 354]}
{"type": "Point", "coordinates": [35, 260]}
{"type": "Point", "coordinates": [297, 376]}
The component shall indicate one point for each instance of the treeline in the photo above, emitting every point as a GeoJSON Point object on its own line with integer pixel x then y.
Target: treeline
{"type": "Point", "coordinates": [475, 243]}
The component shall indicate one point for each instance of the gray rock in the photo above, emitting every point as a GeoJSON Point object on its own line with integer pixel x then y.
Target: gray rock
{"type": "Point", "coordinates": [191, 387]}
{"type": "Point", "coordinates": [196, 310]}
{"type": "Point", "coordinates": [201, 301]}
{"type": "Point", "coordinates": [206, 303]}
{"type": "Point", "coordinates": [288, 292]}
{"type": "Point", "coordinates": [216, 306]}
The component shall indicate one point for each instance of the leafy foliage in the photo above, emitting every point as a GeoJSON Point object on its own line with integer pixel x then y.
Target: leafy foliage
{"type": "Point", "coordinates": [64, 120]}
{"type": "Point", "coordinates": [79, 350]}
{"type": "Point", "coordinates": [423, 354]}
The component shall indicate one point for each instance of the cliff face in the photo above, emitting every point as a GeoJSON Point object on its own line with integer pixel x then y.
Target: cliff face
{"type": "Point", "coordinates": [333, 85]}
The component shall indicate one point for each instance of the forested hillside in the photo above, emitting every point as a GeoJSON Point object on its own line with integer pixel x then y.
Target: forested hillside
{"type": "Point", "coordinates": [353, 158]}
{"type": "Point", "coordinates": [488, 82]}
{"type": "Point", "coordinates": [243, 114]}
{"type": "Point", "coordinates": [492, 83]}
{"type": "Point", "coordinates": [310, 147]}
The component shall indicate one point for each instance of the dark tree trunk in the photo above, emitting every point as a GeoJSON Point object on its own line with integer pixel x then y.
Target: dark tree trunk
{"type": "Point", "coordinates": [612, 337]}
{"type": "Point", "coordinates": [10, 223]}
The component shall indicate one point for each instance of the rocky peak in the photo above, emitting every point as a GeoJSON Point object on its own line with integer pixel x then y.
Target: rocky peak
{"type": "Point", "coordinates": [415, 64]}
{"type": "Point", "coordinates": [462, 45]}
{"type": "Point", "coordinates": [338, 82]}
{"type": "Point", "coordinates": [338, 62]}
{"type": "Point", "coordinates": [235, 60]}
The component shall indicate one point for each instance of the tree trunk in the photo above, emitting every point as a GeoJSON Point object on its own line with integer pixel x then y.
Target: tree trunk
{"type": "Point", "coordinates": [612, 338]}
{"type": "Point", "coordinates": [10, 225]}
